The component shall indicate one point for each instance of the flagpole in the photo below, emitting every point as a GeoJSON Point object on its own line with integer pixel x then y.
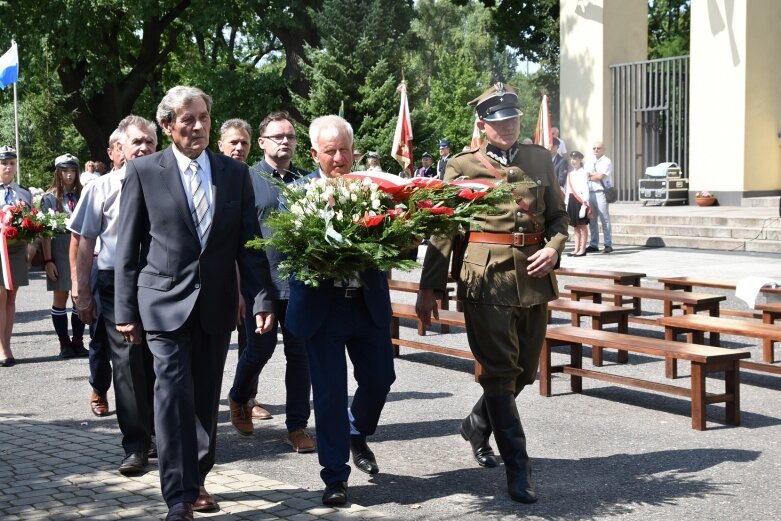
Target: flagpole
{"type": "Point", "coordinates": [16, 132]}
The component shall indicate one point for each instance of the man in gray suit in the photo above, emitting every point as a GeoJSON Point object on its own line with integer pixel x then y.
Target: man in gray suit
{"type": "Point", "coordinates": [186, 216]}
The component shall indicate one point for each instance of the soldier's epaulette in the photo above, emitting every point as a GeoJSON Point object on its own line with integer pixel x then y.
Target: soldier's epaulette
{"type": "Point", "coordinates": [467, 151]}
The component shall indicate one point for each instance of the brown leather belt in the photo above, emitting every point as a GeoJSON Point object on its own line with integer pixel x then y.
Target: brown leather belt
{"type": "Point", "coordinates": [510, 239]}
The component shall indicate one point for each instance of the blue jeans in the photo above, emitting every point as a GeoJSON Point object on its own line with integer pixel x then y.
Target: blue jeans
{"type": "Point", "coordinates": [601, 211]}
{"type": "Point", "coordinates": [257, 353]}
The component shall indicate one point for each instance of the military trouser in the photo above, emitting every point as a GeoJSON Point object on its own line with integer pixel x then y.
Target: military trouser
{"type": "Point", "coordinates": [506, 341]}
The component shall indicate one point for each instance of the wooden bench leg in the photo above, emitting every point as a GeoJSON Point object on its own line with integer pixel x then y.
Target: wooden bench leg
{"type": "Point", "coordinates": [732, 389]}
{"type": "Point", "coordinates": [698, 396]}
{"type": "Point", "coordinates": [623, 327]}
{"type": "Point", "coordinates": [421, 328]}
{"type": "Point", "coordinates": [478, 371]}
{"type": "Point", "coordinates": [596, 352]}
{"type": "Point", "coordinates": [670, 364]}
{"type": "Point", "coordinates": [767, 345]}
{"type": "Point", "coordinates": [576, 360]}
{"type": "Point", "coordinates": [545, 369]}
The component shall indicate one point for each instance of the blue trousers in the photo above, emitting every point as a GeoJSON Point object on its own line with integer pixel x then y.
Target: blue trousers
{"type": "Point", "coordinates": [257, 353]}
{"type": "Point", "coordinates": [348, 325]}
{"type": "Point", "coordinates": [600, 207]}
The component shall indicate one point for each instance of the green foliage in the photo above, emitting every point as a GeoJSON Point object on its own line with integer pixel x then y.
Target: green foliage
{"type": "Point", "coordinates": [669, 23]}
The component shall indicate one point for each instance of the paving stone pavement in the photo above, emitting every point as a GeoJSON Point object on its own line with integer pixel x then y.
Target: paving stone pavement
{"type": "Point", "coordinates": [609, 453]}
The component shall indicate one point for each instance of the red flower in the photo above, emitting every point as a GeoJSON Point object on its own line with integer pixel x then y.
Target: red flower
{"type": "Point", "coordinates": [441, 210]}
{"type": "Point", "coordinates": [10, 232]}
{"type": "Point", "coordinates": [37, 227]}
{"type": "Point", "coordinates": [393, 213]}
{"type": "Point", "coordinates": [469, 194]}
{"type": "Point", "coordinates": [28, 224]}
{"type": "Point", "coordinates": [34, 211]}
{"type": "Point", "coordinates": [370, 221]}
{"type": "Point", "coordinates": [425, 203]}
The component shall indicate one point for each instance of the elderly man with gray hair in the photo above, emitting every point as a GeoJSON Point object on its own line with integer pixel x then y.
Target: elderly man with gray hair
{"type": "Point", "coordinates": [187, 214]}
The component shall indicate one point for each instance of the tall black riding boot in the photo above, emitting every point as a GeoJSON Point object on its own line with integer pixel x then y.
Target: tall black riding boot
{"type": "Point", "coordinates": [511, 441]}
{"type": "Point", "coordinates": [476, 429]}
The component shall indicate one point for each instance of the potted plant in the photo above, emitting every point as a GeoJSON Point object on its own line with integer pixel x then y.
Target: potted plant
{"type": "Point", "coordinates": [704, 198]}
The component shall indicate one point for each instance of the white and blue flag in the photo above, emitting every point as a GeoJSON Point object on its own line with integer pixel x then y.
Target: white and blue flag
{"type": "Point", "coordinates": [9, 67]}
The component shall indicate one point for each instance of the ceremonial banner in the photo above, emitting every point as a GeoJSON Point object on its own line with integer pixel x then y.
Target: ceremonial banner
{"type": "Point", "coordinates": [477, 140]}
{"type": "Point", "coordinates": [402, 138]}
{"type": "Point", "coordinates": [542, 134]}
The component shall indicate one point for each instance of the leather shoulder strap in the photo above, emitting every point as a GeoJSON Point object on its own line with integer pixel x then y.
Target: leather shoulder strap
{"type": "Point", "coordinates": [493, 171]}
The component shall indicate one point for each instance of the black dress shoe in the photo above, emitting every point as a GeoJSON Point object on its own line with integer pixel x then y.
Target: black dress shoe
{"type": "Point", "coordinates": [363, 457]}
{"type": "Point", "coordinates": [180, 512]}
{"type": "Point", "coordinates": [152, 450]}
{"type": "Point", "coordinates": [335, 493]}
{"type": "Point", "coordinates": [134, 464]}
{"type": "Point", "coordinates": [7, 362]}
{"type": "Point", "coordinates": [592, 249]}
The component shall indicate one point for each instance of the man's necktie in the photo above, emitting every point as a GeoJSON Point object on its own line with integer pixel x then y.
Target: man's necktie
{"type": "Point", "coordinates": [9, 195]}
{"type": "Point", "coordinates": [201, 214]}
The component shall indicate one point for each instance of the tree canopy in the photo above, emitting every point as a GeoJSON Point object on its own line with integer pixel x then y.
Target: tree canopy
{"type": "Point", "coordinates": [85, 64]}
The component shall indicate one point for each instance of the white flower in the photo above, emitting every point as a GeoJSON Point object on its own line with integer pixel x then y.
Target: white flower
{"type": "Point", "coordinates": [354, 197]}
{"type": "Point", "coordinates": [376, 203]}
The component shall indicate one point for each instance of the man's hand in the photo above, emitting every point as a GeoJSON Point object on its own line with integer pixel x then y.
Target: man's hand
{"type": "Point", "coordinates": [131, 332]}
{"type": "Point", "coordinates": [426, 305]}
{"type": "Point", "coordinates": [85, 305]}
{"type": "Point", "coordinates": [542, 262]}
{"type": "Point", "coordinates": [264, 322]}
{"type": "Point", "coordinates": [51, 271]}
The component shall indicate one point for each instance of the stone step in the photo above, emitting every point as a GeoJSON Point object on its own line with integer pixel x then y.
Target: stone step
{"type": "Point", "coordinates": [764, 202]}
{"type": "Point", "coordinates": [702, 243]}
{"type": "Point", "coordinates": [743, 231]}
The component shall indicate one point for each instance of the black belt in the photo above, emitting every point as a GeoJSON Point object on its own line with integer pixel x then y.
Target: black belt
{"type": "Point", "coordinates": [510, 239]}
{"type": "Point", "coordinates": [347, 292]}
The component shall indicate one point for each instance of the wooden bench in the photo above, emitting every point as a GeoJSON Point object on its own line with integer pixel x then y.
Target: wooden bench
{"type": "Point", "coordinates": [625, 278]}
{"type": "Point", "coordinates": [687, 283]}
{"type": "Point", "coordinates": [413, 287]}
{"type": "Point", "coordinates": [450, 318]}
{"type": "Point", "coordinates": [601, 314]}
{"type": "Point", "coordinates": [704, 361]}
{"type": "Point", "coordinates": [698, 325]}
{"type": "Point", "coordinates": [689, 302]}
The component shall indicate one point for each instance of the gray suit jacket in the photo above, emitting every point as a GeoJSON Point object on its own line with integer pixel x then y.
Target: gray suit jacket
{"type": "Point", "coordinates": [160, 269]}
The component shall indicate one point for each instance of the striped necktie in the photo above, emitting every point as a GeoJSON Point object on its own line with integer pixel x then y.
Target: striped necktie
{"type": "Point", "coordinates": [202, 217]}
{"type": "Point", "coordinates": [9, 195]}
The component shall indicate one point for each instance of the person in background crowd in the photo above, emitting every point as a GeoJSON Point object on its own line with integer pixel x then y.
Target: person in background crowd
{"type": "Point", "coordinates": [373, 160]}
{"type": "Point", "coordinates": [100, 167]}
{"type": "Point", "coordinates": [560, 164]}
{"type": "Point", "coordinates": [11, 193]}
{"type": "Point", "coordinates": [505, 282]}
{"type": "Point", "coordinates": [187, 214]}
{"type": "Point", "coordinates": [97, 217]}
{"type": "Point", "coordinates": [357, 158]}
{"type": "Point", "coordinates": [600, 175]}
{"type": "Point", "coordinates": [427, 169]}
{"type": "Point", "coordinates": [277, 138]}
{"type": "Point", "coordinates": [62, 198]}
{"type": "Point", "coordinates": [338, 316]}
{"type": "Point", "coordinates": [234, 142]}
{"type": "Point", "coordinates": [562, 145]}
{"type": "Point", "coordinates": [444, 155]}
{"type": "Point", "coordinates": [89, 174]}
{"type": "Point", "coordinates": [577, 199]}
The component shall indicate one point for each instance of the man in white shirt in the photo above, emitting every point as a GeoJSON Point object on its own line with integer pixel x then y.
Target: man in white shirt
{"type": "Point", "coordinates": [600, 175]}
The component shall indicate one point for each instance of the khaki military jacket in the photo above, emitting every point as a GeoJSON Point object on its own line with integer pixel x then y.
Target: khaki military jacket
{"type": "Point", "coordinates": [496, 274]}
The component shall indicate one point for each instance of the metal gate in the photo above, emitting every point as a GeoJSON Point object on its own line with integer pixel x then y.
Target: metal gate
{"type": "Point", "coordinates": [650, 119]}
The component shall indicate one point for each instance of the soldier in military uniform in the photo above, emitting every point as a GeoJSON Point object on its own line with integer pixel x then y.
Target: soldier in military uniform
{"type": "Point", "coordinates": [505, 281]}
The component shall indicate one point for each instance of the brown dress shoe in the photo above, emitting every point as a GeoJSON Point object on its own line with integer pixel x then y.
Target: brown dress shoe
{"type": "Point", "coordinates": [258, 411]}
{"type": "Point", "coordinates": [205, 502]}
{"type": "Point", "coordinates": [241, 418]}
{"type": "Point", "coordinates": [301, 441]}
{"type": "Point", "coordinates": [98, 404]}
